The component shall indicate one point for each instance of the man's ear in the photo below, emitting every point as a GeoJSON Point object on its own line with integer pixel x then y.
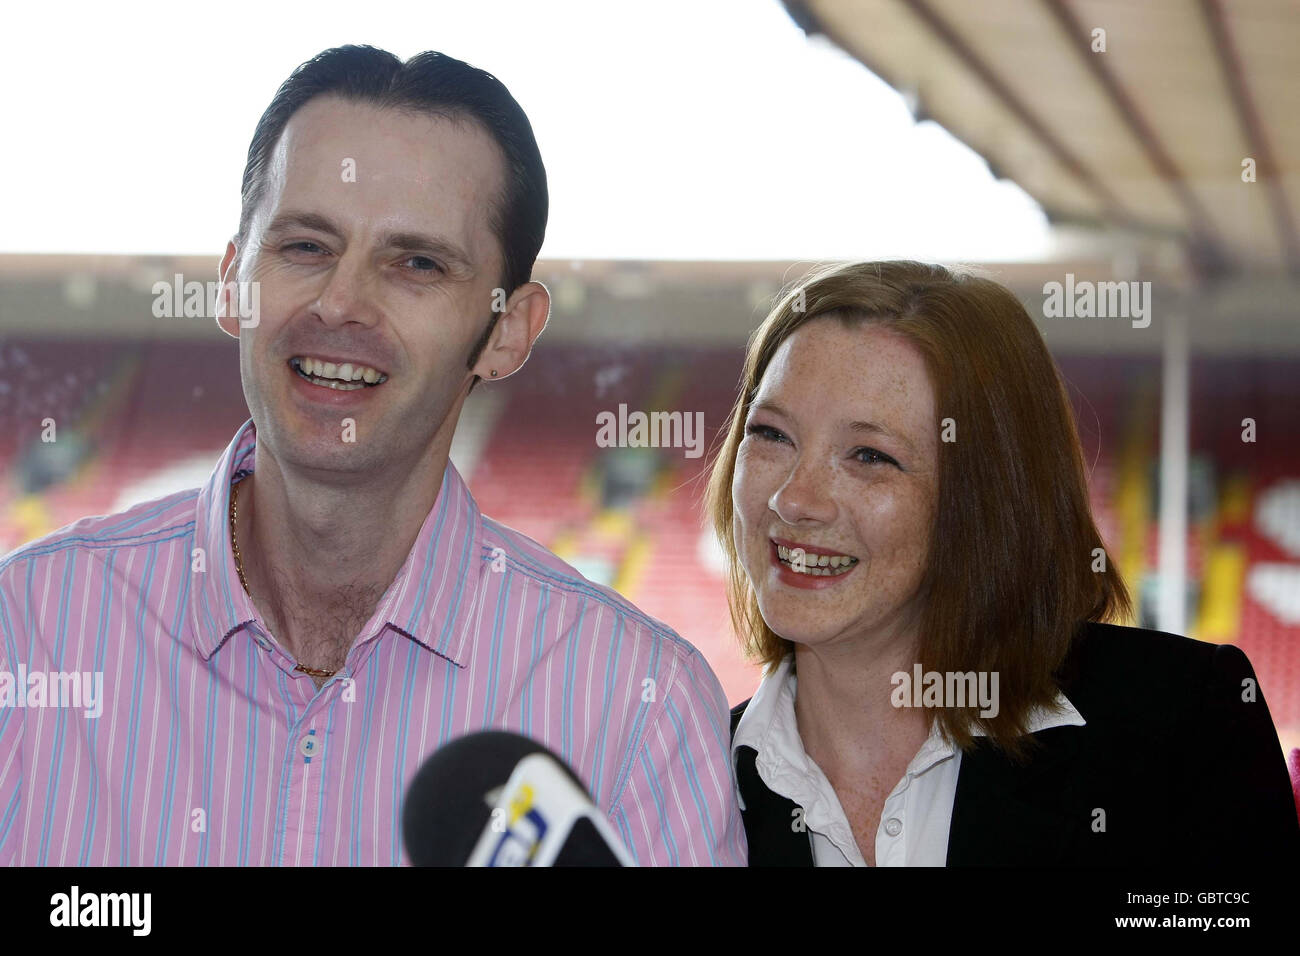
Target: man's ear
{"type": "Point", "coordinates": [522, 319]}
{"type": "Point", "coordinates": [227, 273]}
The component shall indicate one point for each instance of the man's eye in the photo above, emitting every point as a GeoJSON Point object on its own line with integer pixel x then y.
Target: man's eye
{"type": "Point", "coordinates": [302, 247]}
{"type": "Point", "coordinates": [425, 264]}
{"type": "Point", "coordinates": [869, 456]}
{"type": "Point", "coordinates": [765, 432]}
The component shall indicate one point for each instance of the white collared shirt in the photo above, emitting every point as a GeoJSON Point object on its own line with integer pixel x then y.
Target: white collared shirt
{"type": "Point", "coordinates": [914, 821]}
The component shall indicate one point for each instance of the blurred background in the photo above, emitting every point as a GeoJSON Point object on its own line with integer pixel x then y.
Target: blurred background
{"type": "Point", "coordinates": [701, 156]}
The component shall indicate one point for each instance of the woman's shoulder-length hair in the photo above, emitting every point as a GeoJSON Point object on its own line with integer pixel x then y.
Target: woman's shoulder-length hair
{"type": "Point", "coordinates": [1015, 561]}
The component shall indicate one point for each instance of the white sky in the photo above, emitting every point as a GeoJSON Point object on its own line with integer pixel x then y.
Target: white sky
{"type": "Point", "coordinates": [704, 129]}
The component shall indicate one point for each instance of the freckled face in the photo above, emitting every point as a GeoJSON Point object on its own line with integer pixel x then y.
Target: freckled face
{"type": "Point", "coordinates": [839, 461]}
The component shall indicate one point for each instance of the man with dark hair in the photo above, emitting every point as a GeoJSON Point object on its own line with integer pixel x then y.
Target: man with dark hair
{"type": "Point", "coordinates": [282, 648]}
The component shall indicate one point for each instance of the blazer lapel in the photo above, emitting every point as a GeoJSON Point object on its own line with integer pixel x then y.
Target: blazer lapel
{"type": "Point", "coordinates": [769, 819]}
{"type": "Point", "coordinates": [1006, 814]}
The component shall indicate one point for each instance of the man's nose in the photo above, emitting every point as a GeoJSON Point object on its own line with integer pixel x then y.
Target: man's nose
{"type": "Point", "coordinates": [349, 293]}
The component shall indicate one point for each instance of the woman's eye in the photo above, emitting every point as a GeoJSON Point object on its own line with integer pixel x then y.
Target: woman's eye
{"type": "Point", "coordinates": [869, 456]}
{"type": "Point", "coordinates": [766, 432]}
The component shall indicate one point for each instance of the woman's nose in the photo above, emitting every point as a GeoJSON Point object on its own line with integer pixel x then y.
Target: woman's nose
{"type": "Point", "coordinates": [805, 495]}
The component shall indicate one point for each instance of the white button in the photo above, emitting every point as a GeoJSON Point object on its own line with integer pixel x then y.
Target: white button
{"type": "Point", "coordinates": [893, 826]}
{"type": "Point", "coordinates": [310, 745]}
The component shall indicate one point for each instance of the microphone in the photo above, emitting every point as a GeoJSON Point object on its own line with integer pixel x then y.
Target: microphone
{"type": "Point", "coordinates": [496, 798]}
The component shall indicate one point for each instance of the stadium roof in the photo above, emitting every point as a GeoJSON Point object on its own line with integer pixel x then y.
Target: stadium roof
{"type": "Point", "coordinates": [1148, 134]}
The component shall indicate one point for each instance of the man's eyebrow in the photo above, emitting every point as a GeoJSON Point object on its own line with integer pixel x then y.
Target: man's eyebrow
{"type": "Point", "coordinates": [304, 220]}
{"type": "Point", "coordinates": [451, 253]}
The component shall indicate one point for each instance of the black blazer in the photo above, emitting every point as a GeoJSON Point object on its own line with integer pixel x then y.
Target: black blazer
{"type": "Point", "coordinates": [1188, 774]}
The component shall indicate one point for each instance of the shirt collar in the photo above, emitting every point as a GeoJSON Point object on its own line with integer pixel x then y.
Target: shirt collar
{"type": "Point", "coordinates": [768, 725]}
{"type": "Point", "coordinates": [430, 600]}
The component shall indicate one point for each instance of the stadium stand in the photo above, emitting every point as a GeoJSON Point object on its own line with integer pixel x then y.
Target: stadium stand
{"type": "Point", "coordinates": [137, 419]}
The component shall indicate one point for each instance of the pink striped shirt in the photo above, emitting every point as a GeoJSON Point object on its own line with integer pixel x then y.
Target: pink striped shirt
{"type": "Point", "coordinates": [210, 749]}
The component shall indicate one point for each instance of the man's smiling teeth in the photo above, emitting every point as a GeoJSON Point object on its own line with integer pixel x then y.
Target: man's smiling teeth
{"type": "Point", "coordinates": [345, 377]}
{"type": "Point", "coordinates": [823, 565]}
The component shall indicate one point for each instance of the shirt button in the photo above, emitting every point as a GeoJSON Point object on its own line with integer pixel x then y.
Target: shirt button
{"type": "Point", "coordinates": [310, 746]}
{"type": "Point", "coordinates": [893, 826]}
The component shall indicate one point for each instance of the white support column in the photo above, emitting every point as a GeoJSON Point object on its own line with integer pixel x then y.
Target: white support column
{"type": "Point", "coordinates": [1175, 399]}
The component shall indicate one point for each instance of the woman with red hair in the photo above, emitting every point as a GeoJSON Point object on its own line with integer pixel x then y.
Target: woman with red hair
{"type": "Point", "coordinates": [902, 502]}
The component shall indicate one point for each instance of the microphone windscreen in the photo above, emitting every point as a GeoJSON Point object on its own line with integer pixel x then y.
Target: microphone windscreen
{"type": "Point", "coordinates": [447, 805]}
{"type": "Point", "coordinates": [586, 846]}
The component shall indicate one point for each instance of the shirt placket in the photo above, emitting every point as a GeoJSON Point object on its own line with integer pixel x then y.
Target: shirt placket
{"type": "Point", "coordinates": [307, 750]}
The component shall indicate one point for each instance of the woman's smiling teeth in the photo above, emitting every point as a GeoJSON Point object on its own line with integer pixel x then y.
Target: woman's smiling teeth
{"type": "Point", "coordinates": [815, 564]}
{"type": "Point", "coordinates": [345, 377]}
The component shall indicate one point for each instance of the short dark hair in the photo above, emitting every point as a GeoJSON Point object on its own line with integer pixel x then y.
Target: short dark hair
{"type": "Point", "coordinates": [433, 84]}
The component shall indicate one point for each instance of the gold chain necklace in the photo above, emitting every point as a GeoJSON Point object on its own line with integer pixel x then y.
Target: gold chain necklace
{"type": "Point", "coordinates": [239, 567]}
